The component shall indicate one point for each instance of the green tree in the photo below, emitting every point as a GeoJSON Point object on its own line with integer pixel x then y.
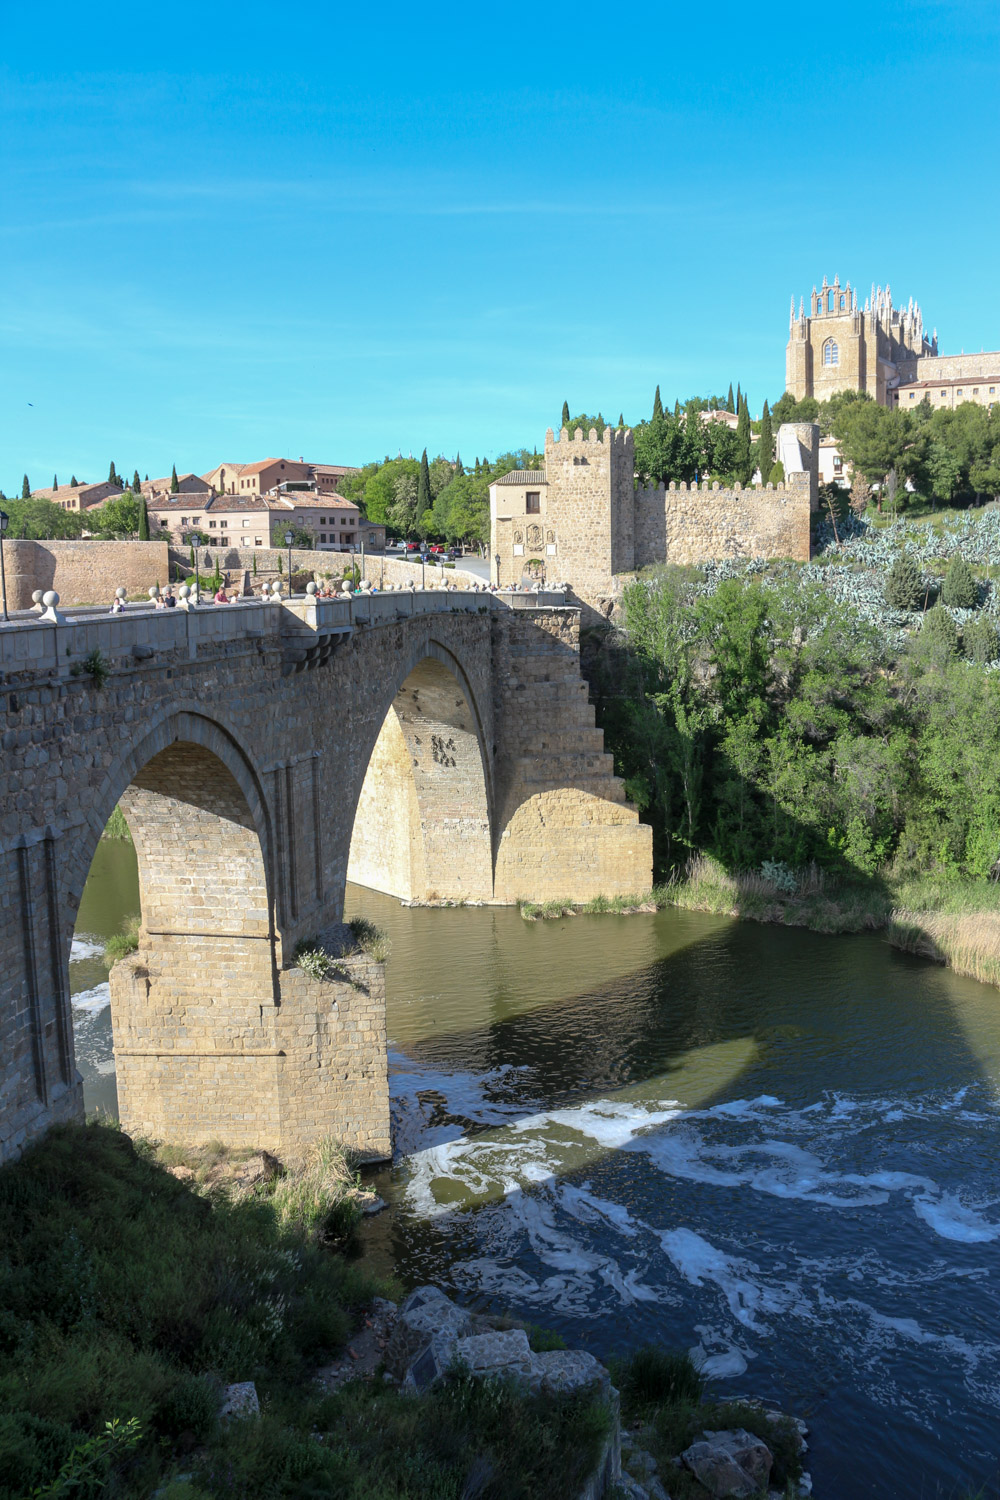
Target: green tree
{"type": "Point", "coordinates": [939, 635]}
{"type": "Point", "coordinates": [657, 405]}
{"type": "Point", "coordinates": [302, 540]}
{"type": "Point", "coordinates": [424, 495]}
{"type": "Point", "coordinates": [25, 489]}
{"type": "Point", "coordinates": [904, 585]}
{"type": "Point", "coordinates": [765, 446]}
{"type": "Point", "coordinates": [565, 417]}
{"type": "Point", "coordinates": [73, 483]}
{"type": "Point", "coordinates": [981, 640]}
{"type": "Point", "coordinates": [959, 588]}
{"type": "Point", "coordinates": [877, 440]}
{"type": "Point", "coordinates": [459, 467]}
{"type": "Point", "coordinates": [35, 519]}
{"type": "Point", "coordinates": [55, 481]}
{"type": "Point", "coordinates": [136, 483]}
{"type": "Point", "coordinates": [174, 486]}
{"type": "Point", "coordinates": [143, 519]}
{"type": "Point", "coordinates": [744, 465]}
{"type": "Point", "coordinates": [730, 404]}
{"type": "Point", "coordinates": [118, 518]}
{"type": "Point", "coordinates": [621, 419]}
{"type": "Point", "coordinates": [112, 476]}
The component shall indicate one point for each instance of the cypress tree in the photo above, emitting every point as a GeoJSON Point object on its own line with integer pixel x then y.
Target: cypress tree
{"type": "Point", "coordinates": [459, 469]}
{"type": "Point", "coordinates": [765, 448]}
{"type": "Point", "coordinates": [136, 483]}
{"type": "Point", "coordinates": [423, 486]}
{"type": "Point", "coordinates": [25, 489]}
{"type": "Point", "coordinates": [74, 483]}
{"type": "Point", "coordinates": [621, 419]}
{"type": "Point", "coordinates": [143, 521]}
{"type": "Point", "coordinates": [55, 481]}
{"type": "Point", "coordinates": [739, 398]}
{"type": "Point", "coordinates": [959, 587]}
{"type": "Point", "coordinates": [657, 405]}
{"type": "Point", "coordinates": [744, 457]}
{"type": "Point", "coordinates": [174, 486]}
{"type": "Point", "coordinates": [677, 408]}
{"type": "Point", "coordinates": [730, 404]}
{"type": "Point", "coordinates": [565, 414]}
{"type": "Point", "coordinates": [112, 476]}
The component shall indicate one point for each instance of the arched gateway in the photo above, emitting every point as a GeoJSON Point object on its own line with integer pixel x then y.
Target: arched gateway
{"type": "Point", "coordinates": [442, 747]}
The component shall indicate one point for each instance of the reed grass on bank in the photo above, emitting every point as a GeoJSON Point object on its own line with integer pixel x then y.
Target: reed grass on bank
{"type": "Point", "coordinates": [967, 941]}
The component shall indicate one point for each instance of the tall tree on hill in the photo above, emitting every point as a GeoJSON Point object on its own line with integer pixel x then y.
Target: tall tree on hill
{"type": "Point", "coordinates": [765, 446]}
{"type": "Point", "coordinates": [744, 465]}
{"type": "Point", "coordinates": [730, 404]}
{"type": "Point", "coordinates": [459, 467]}
{"type": "Point", "coordinates": [74, 483]}
{"type": "Point", "coordinates": [136, 484]}
{"type": "Point", "coordinates": [25, 489]}
{"type": "Point", "coordinates": [143, 520]}
{"type": "Point", "coordinates": [55, 481]}
{"type": "Point", "coordinates": [621, 419]}
{"type": "Point", "coordinates": [565, 414]}
{"type": "Point", "coordinates": [739, 397]}
{"type": "Point", "coordinates": [112, 476]}
{"type": "Point", "coordinates": [174, 486]}
{"type": "Point", "coordinates": [423, 486]}
{"type": "Point", "coordinates": [657, 405]}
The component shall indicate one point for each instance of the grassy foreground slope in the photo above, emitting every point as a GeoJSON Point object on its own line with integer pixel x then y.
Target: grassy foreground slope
{"type": "Point", "coordinates": [128, 1298]}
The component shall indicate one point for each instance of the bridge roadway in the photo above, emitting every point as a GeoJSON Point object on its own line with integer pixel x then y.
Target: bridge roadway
{"type": "Point", "coordinates": [439, 746]}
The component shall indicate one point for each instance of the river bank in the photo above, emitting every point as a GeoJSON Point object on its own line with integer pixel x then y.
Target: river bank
{"type": "Point", "coordinates": [955, 922]}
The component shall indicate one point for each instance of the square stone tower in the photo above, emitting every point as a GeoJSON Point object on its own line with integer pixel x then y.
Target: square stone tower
{"type": "Point", "coordinates": [839, 346]}
{"type": "Point", "coordinates": [575, 519]}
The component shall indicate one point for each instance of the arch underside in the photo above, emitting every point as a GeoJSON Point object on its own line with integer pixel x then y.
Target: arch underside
{"type": "Point", "coordinates": [422, 826]}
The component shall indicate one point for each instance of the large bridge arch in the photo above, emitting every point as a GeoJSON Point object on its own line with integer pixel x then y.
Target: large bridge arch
{"type": "Point", "coordinates": [423, 818]}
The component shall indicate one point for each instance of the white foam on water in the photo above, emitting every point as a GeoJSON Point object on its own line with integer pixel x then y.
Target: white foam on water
{"type": "Point", "coordinates": [85, 947]}
{"type": "Point", "coordinates": [953, 1220]}
{"type": "Point", "coordinates": [92, 1001]}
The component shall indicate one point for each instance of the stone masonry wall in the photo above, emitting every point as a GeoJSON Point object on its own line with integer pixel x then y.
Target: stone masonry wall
{"type": "Point", "coordinates": [699, 523]}
{"type": "Point", "coordinates": [82, 572]}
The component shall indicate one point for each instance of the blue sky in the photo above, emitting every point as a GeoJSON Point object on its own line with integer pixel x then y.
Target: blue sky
{"type": "Point", "coordinates": [233, 231]}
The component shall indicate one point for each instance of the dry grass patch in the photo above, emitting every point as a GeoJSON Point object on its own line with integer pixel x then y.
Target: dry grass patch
{"type": "Point", "coordinates": [969, 942]}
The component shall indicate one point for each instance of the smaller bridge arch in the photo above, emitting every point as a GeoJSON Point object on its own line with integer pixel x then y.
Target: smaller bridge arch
{"type": "Point", "coordinates": [423, 822]}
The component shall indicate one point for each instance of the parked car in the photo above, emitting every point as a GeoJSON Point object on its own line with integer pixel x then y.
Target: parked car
{"type": "Point", "coordinates": [412, 547]}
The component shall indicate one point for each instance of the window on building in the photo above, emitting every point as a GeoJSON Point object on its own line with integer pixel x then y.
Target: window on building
{"type": "Point", "coordinates": [831, 354]}
{"type": "Point", "coordinates": [532, 502]}
{"type": "Point", "coordinates": [184, 520]}
{"type": "Point", "coordinates": [959, 391]}
{"type": "Point", "coordinates": [257, 541]}
{"type": "Point", "coordinates": [223, 541]}
{"type": "Point", "coordinates": [943, 394]}
{"type": "Point", "coordinates": [213, 524]}
{"type": "Point", "coordinates": [993, 390]}
{"type": "Point", "coordinates": [911, 395]}
{"type": "Point", "coordinates": [838, 466]}
{"type": "Point", "coordinates": [975, 390]}
{"type": "Point", "coordinates": [831, 302]}
{"type": "Point", "coordinates": [322, 537]}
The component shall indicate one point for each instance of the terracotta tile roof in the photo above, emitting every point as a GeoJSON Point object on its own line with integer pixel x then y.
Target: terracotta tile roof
{"type": "Point", "coordinates": [522, 476]}
{"type": "Point", "coordinates": [302, 499]}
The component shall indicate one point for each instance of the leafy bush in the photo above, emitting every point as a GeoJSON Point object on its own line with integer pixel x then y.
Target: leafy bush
{"type": "Point", "coordinates": [959, 587]}
{"type": "Point", "coordinates": [981, 640]}
{"type": "Point", "coordinates": [904, 587]}
{"type": "Point", "coordinates": [370, 939]}
{"type": "Point", "coordinates": [116, 827]}
{"type": "Point", "coordinates": [121, 944]}
{"type": "Point", "coordinates": [780, 876]}
{"type": "Point", "coordinates": [191, 1407]}
{"type": "Point", "coordinates": [939, 634]}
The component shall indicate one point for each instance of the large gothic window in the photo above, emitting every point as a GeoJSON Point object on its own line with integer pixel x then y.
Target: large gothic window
{"type": "Point", "coordinates": [831, 354]}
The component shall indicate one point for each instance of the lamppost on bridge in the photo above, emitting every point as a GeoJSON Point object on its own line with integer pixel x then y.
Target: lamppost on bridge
{"type": "Point", "coordinates": [497, 561]}
{"type": "Point", "coordinates": [423, 565]}
{"type": "Point", "coordinates": [195, 541]}
{"type": "Point", "coordinates": [4, 523]}
{"type": "Point", "coordinates": [289, 539]}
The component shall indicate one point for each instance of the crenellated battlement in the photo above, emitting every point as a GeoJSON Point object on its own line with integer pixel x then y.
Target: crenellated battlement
{"type": "Point", "coordinates": [616, 439]}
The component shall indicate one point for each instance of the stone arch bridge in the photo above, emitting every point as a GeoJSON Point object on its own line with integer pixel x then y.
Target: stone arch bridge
{"type": "Point", "coordinates": [436, 746]}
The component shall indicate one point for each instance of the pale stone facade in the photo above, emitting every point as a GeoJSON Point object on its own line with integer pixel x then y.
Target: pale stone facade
{"type": "Point", "coordinates": [879, 349]}
{"type": "Point", "coordinates": [82, 572]}
{"type": "Point", "coordinates": [583, 521]}
{"type": "Point", "coordinates": [238, 742]}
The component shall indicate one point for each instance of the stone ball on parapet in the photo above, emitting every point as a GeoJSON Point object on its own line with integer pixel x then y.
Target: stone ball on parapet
{"type": "Point", "coordinates": [184, 592]}
{"type": "Point", "coordinates": [154, 592]}
{"type": "Point", "coordinates": [311, 589]}
{"type": "Point", "coordinates": [50, 598]}
{"type": "Point", "coordinates": [120, 593]}
{"type": "Point", "coordinates": [36, 598]}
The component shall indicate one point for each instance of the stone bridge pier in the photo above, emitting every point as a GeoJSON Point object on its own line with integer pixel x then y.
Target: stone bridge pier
{"type": "Point", "coordinates": [437, 747]}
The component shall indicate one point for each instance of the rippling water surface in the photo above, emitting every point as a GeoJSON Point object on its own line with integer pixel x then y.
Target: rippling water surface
{"type": "Point", "coordinates": [776, 1149]}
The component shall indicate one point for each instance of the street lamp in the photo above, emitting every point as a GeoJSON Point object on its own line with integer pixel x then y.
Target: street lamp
{"type": "Point", "coordinates": [423, 568]}
{"type": "Point", "coordinates": [4, 523]}
{"type": "Point", "coordinates": [195, 541]}
{"type": "Point", "coordinates": [497, 561]}
{"type": "Point", "coordinates": [289, 539]}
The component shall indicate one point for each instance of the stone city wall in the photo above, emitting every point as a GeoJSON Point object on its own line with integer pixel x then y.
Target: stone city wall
{"type": "Point", "coordinates": [700, 523]}
{"type": "Point", "coordinates": [81, 572]}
